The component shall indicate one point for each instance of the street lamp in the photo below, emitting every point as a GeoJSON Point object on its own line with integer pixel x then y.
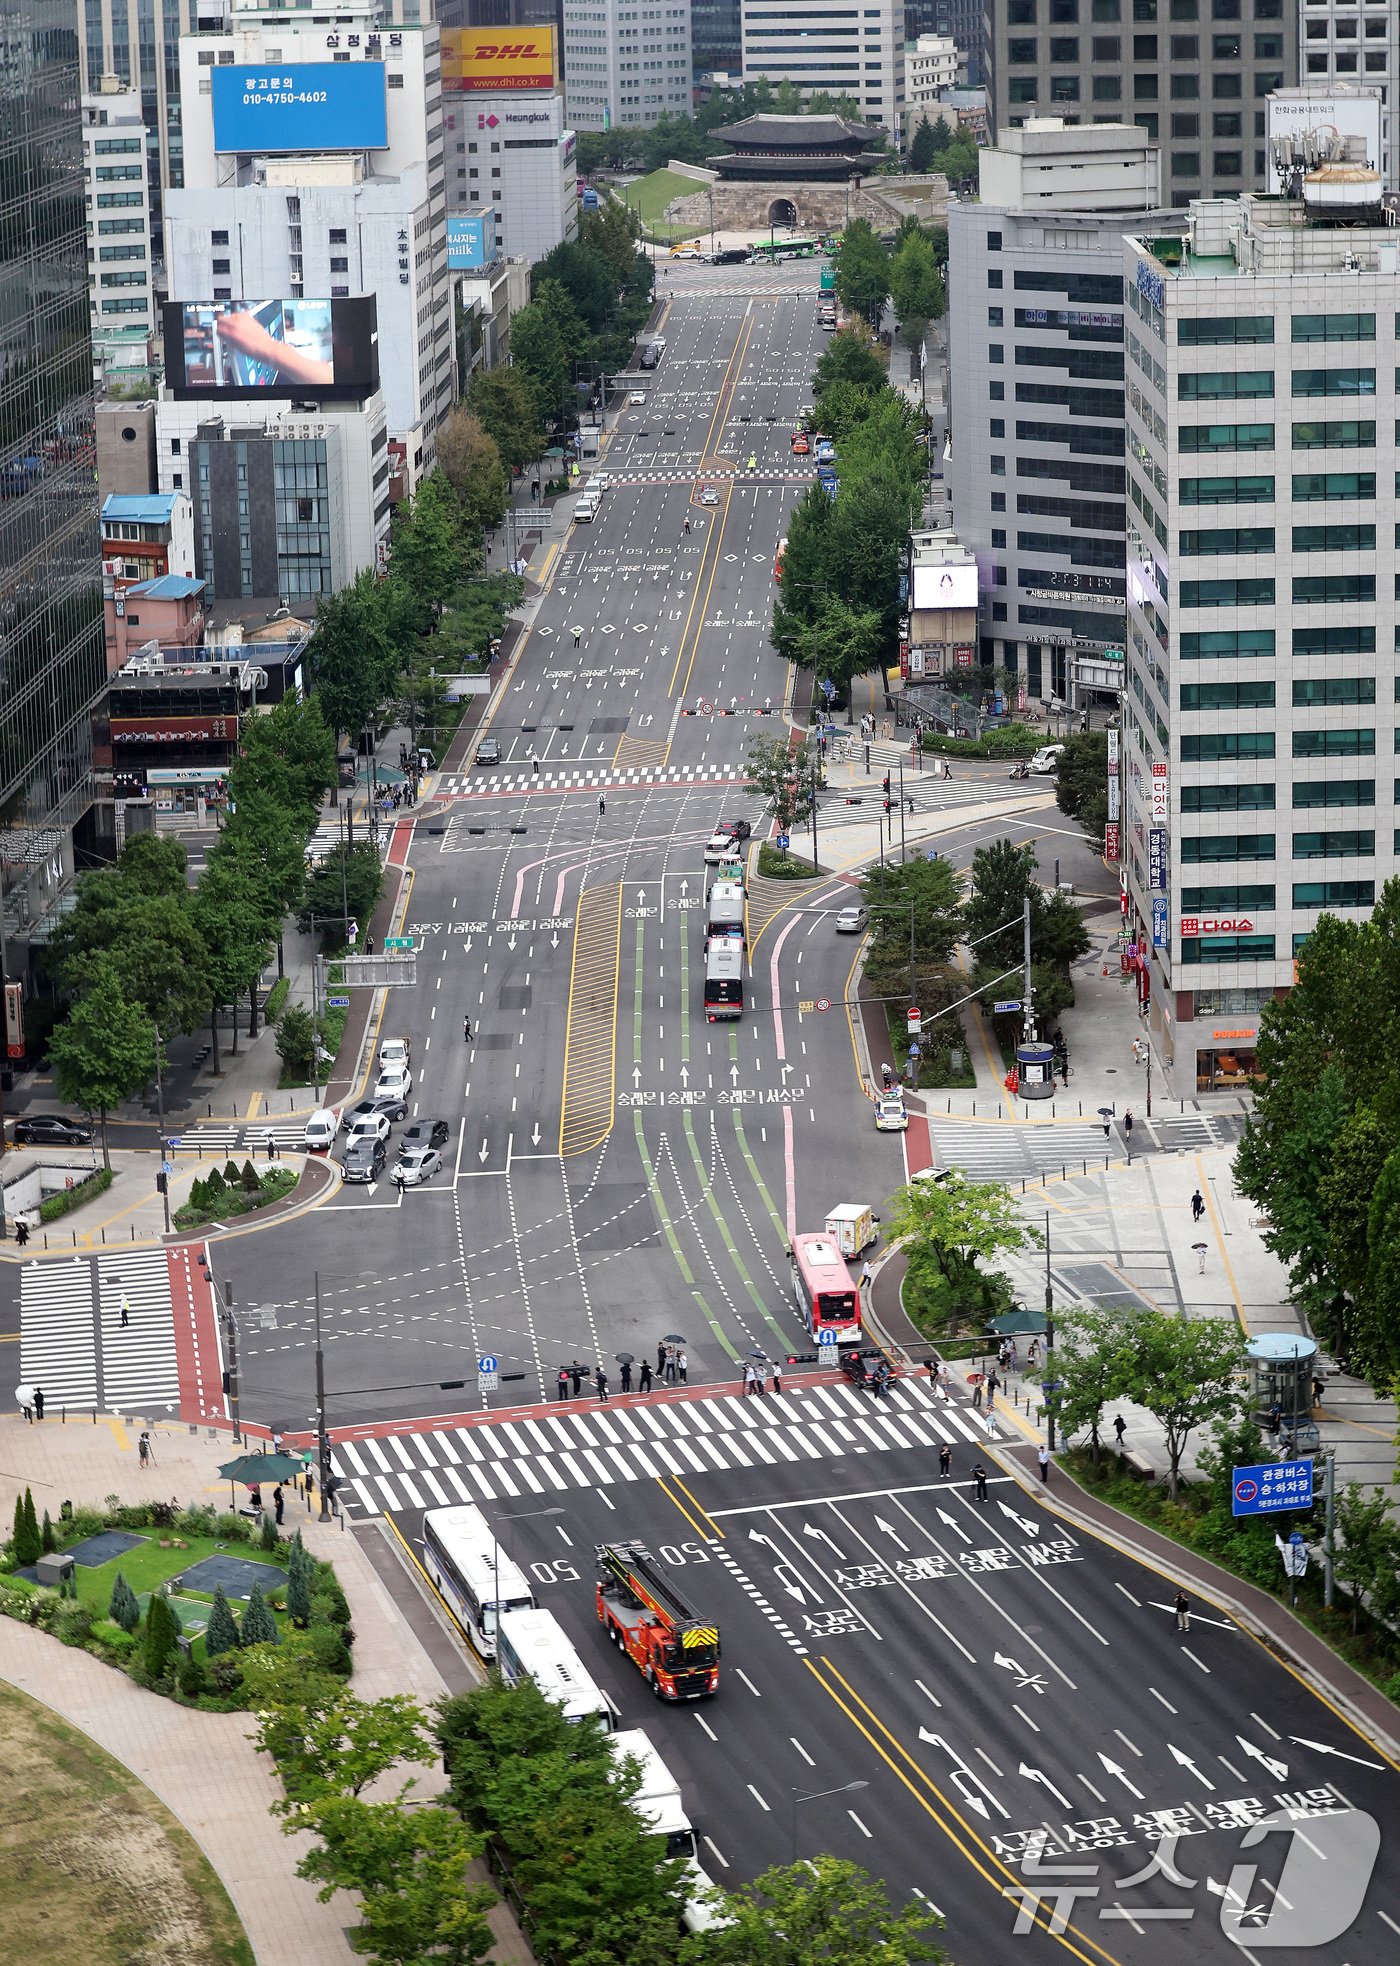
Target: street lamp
{"type": "Point", "coordinates": [846, 1788]}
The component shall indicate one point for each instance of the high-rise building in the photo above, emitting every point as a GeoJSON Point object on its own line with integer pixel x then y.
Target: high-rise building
{"type": "Point", "coordinates": [52, 668]}
{"type": "Point", "coordinates": [120, 261]}
{"type": "Point", "coordinates": [1356, 43]}
{"type": "Point", "coordinates": [1256, 778]}
{"type": "Point", "coordinates": [824, 44]}
{"type": "Point", "coordinates": [510, 155]}
{"type": "Point", "coordinates": [931, 65]}
{"type": "Point", "coordinates": [1036, 312]}
{"type": "Point", "coordinates": [959, 21]}
{"type": "Point", "coordinates": [1192, 73]}
{"type": "Point", "coordinates": [624, 67]}
{"type": "Point", "coordinates": [717, 40]}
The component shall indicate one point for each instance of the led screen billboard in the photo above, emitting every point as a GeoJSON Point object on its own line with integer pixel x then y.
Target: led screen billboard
{"type": "Point", "coordinates": [282, 107]}
{"type": "Point", "coordinates": [494, 60]}
{"type": "Point", "coordinates": [945, 587]}
{"type": "Point", "coordinates": [299, 348]}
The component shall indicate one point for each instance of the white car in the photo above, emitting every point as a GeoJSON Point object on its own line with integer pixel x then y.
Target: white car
{"type": "Point", "coordinates": [686, 252]}
{"type": "Point", "coordinates": [709, 496]}
{"type": "Point", "coordinates": [720, 846]}
{"type": "Point", "coordinates": [890, 1114]}
{"type": "Point", "coordinates": [637, 396]}
{"type": "Point", "coordinates": [367, 1126]}
{"type": "Point", "coordinates": [851, 921]}
{"type": "Point", "coordinates": [394, 1082]}
{"type": "Point", "coordinates": [393, 1051]}
{"type": "Point", "coordinates": [419, 1164]}
{"type": "Point", "coordinates": [1047, 757]}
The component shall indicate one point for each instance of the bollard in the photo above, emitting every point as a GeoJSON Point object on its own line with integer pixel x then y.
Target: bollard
{"type": "Point", "coordinates": [1084, 1166]}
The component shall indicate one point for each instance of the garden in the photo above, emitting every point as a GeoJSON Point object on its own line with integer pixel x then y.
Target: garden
{"type": "Point", "coordinates": [236, 1191]}
{"type": "Point", "coordinates": [177, 1598]}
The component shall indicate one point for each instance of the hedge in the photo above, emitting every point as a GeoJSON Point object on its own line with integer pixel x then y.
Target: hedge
{"type": "Point", "coordinates": [67, 1199]}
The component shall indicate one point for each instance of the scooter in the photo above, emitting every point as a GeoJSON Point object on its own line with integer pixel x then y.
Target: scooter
{"type": "Point", "coordinates": [1021, 770]}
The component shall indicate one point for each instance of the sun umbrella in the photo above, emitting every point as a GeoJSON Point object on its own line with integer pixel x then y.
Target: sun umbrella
{"type": "Point", "coordinates": [672, 1338]}
{"type": "Point", "coordinates": [252, 1469]}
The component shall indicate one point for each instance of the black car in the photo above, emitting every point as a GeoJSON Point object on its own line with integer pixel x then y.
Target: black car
{"type": "Point", "coordinates": [737, 829]}
{"type": "Point", "coordinates": [364, 1161]}
{"type": "Point", "coordinates": [488, 751]}
{"type": "Point", "coordinates": [425, 1133]}
{"type": "Point", "coordinates": [51, 1130]}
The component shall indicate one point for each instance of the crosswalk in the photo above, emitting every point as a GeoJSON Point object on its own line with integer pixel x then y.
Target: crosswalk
{"type": "Point", "coordinates": [74, 1347]}
{"type": "Point", "coordinates": [999, 1152]}
{"type": "Point", "coordinates": [248, 1138]}
{"type": "Point", "coordinates": [576, 1445]}
{"type": "Point", "coordinates": [518, 776]}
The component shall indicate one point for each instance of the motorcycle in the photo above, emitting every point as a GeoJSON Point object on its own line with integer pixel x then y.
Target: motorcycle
{"type": "Point", "coordinates": [1021, 770]}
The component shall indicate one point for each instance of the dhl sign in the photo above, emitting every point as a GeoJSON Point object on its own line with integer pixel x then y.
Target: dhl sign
{"type": "Point", "coordinates": [493, 61]}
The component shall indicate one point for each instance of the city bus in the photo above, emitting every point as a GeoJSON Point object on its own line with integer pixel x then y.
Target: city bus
{"type": "Point", "coordinates": [532, 1645]}
{"type": "Point", "coordinates": [768, 251]}
{"type": "Point", "coordinates": [724, 977]}
{"type": "Point", "coordinates": [471, 1574]}
{"type": "Point", "coordinates": [826, 1297]}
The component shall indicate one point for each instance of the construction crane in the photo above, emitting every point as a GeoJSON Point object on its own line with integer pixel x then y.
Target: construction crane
{"type": "Point", "coordinates": [645, 1615]}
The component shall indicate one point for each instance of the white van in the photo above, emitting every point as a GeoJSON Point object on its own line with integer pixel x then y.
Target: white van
{"type": "Point", "coordinates": [394, 1051]}
{"type": "Point", "coordinates": [587, 508]}
{"type": "Point", "coordinates": [1047, 757]}
{"type": "Point", "coordinates": [321, 1130]}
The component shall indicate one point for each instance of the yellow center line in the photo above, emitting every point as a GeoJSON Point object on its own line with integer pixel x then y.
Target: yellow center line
{"type": "Point", "coordinates": [726, 393]}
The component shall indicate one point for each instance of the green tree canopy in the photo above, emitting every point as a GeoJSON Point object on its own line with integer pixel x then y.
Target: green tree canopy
{"type": "Point", "coordinates": [922, 147]}
{"type": "Point", "coordinates": [958, 1224]}
{"type": "Point", "coordinates": [783, 775]}
{"type": "Point", "coordinates": [470, 461]}
{"type": "Point", "coordinates": [824, 1909]}
{"type": "Point", "coordinates": [916, 287]}
{"type": "Point", "coordinates": [847, 357]}
{"type": "Point", "coordinates": [863, 272]}
{"type": "Point", "coordinates": [352, 663]}
{"type": "Point", "coordinates": [505, 404]}
{"type": "Point", "coordinates": [1081, 782]}
{"type": "Point", "coordinates": [105, 1050]}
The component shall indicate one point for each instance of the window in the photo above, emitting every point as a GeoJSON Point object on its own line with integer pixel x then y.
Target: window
{"type": "Point", "coordinates": [1308, 795]}
{"type": "Point", "coordinates": [1186, 163]}
{"type": "Point", "coordinates": [1229, 163]}
{"type": "Point", "coordinates": [336, 235]}
{"type": "Point", "coordinates": [1144, 47]}
{"type": "Point", "coordinates": [1020, 13]}
{"type": "Point", "coordinates": [1334, 539]}
{"type": "Point", "coordinates": [1208, 385]}
{"type": "Point", "coordinates": [1211, 847]}
{"type": "Point", "coordinates": [1064, 88]}
{"type": "Point", "coordinates": [1219, 540]}
{"type": "Point", "coordinates": [1218, 644]}
{"type": "Point", "coordinates": [1226, 88]}
{"type": "Point", "coordinates": [994, 317]}
{"type": "Point", "coordinates": [1186, 86]}
{"type": "Point", "coordinates": [1334, 894]}
{"type": "Point", "coordinates": [1227, 491]}
{"type": "Point", "coordinates": [1334, 327]}
{"type": "Point", "coordinates": [1225, 47]}
{"type": "Point", "coordinates": [1219, 746]}
{"type": "Point", "coordinates": [1106, 47]}
{"type": "Point", "coordinates": [218, 238]}
{"type": "Point", "coordinates": [1347, 435]}
{"type": "Point", "coordinates": [1107, 88]}
{"type": "Point", "coordinates": [1334, 641]}
{"type": "Point", "coordinates": [1197, 949]}
{"type": "Point", "coordinates": [1186, 47]}
{"type": "Point", "coordinates": [1228, 593]}
{"type": "Point", "coordinates": [1334, 744]}
{"type": "Point", "coordinates": [1333, 589]}
{"type": "Point", "coordinates": [1064, 47]}
{"type": "Point", "coordinates": [1227, 798]}
{"type": "Point", "coordinates": [996, 351]}
{"type": "Point", "coordinates": [994, 278]}
{"type": "Point", "coordinates": [1227, 696]}
{"type": "Point", "coordinates": [993, 242]}
{"type": "Point", "coordinates": [1225, 331]}
{"type": "Point", "coordinates": [1311, 487]}
{"type": "Point", "coordinates": [1334, 382]}
{"type": "Point", "coordinates": [1322, 691]}
{"type": "Point", "coordinates": [1022, 53]}
{"type": "Point", "coordinates": [1186, 126]}
{"type": "Point", "coordinates": [1104, 10]}
{"type": "Point", "coordinates": [340, 265]}
{"type": "Point", "coordinates": [1197, 437]}
{"type": "Point", "coordinates": [1144, 88]}
{"type": "Point", "coordinates": [1227, 123]}
{"type": "Point", "coordinates": [1234, 900]}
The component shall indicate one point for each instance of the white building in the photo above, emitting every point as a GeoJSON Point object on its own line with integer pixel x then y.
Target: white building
{"type": "Point", "coordinates": [930, 67]}
{"type": "Point", "coordinates": [331, 188]}
{"type": "Point", "coordinates": [824, 44]}
{"type": "Point", "coordinates": [625, 65]}
{"type": "Point", "coordinates": [513, 154]}
{"type": "Point", "coordinates": [1257, 779]}
{"type": "Point", "coordinates": [1036, 315]}
{"type": "Point", "coordinates": [1348, 46]}
{"type": "Point", "coordinates": [116, 181]}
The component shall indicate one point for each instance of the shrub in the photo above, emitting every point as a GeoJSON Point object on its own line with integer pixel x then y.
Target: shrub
{"type": "Point", "coordinates": [233, 1177]}
{"type": "Point", "coordinates": [73, 1624]}
{"type": "Point", "coordinates": [191, 1677]}
{"type": "Point", "coordinates": [224, 1676]}
{"type": "Point", "coordinates": [110, 1642]}
{"type": "Point", "coordinates": [249, 1179]}
{"type": "Point", "coordinates": [124, 1608]}
{"type": "Point", "coordinates": [221, 1634]}
{"type": "Point", "coordinates": [329, 1650]}
{"type": "Point", "coordinates": [230, 1529]}
{"type": "Point", "coordinates": [162, 1638]}
{"type": "Point", "coordinates": [258, 1626]}
{"type": "Point", "coordinates": [328, 1604]}
{"type": "Point", "coordinates": [215, 1185]}
{"type": "Point", "coordinates": [67, 1199]}
{"type": "Point", "coordinates": [299, 1571]}
{"type": "Point", "coordinates": [199, 1194]}
{"type": "Point", "coordinates": [269, 1537]}
{"type": "Point", "coordinates": [25, 1545]}
{"type": "Point", "coordinates": [131, 1515]}
{"type": "Point", "coordinates": [46, 1535]}
{"type": "Point", "coordinates": [163, 1514]}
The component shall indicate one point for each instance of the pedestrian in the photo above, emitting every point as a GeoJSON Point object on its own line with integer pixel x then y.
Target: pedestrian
{"type": "Point", "coordinates": [143, 1450]}
{"type": "Point", "coordinates": [534, 765]}
{"type": "Point", "coordinates": [310, 1487]}
{"type": "Point", "coordinates": [578, 636]}
{"type": "Point", "coordinates": [977, 1392]}
{"type": "Point", "coordinates": [624, 1378]}
{"type": "Point", "coordinates": [278, 1444]}
{"type": "Point", "coordinates": [21, 1231]}
{"type": "Point", "coordinates": [600, 1381]}
{"type": "Point", "coordinates": [992, 1384]}
{"type": "Point", "coordinates": [887, 1074]}
{"type": "Point", "coordinates": [1182, 1608]}
{"type": "Point", "coordinates": [279, 1505]}
{"type": "Point", "coordinates": [979, 1477]}
{"type": "Point", "coordinates": [749, 1377]}
{"type": "Point", "coordinates": [682, 1367]}
{"type": "Point", "coordinates": [602, 805]}
{"type": "Point", "coordinates": [777, 1377]}
{"type": "Point", "coordinates": [534, 491]}
{"type": "Point", "coordinates": [1198, 1206]}
{"type": "Point", "coordinates": [1033, 1355]}
{"type": "Point", "coordinates": [38, 1402]}
{"type": "Point", "coordinates": [1043, 1457]}
{"type": "Point", "coordinates": [947, 769]}
{"type": "Point", "coordinates": [1128, 1123]}
{"type": "Point", "coordinates": [945, 1462]}
{"type": "Point", "coordinates": [565, 1384]}
{"type": "Point", "coordinates": [126, 1312]}
{"type": "Point", "coordinates": [686, 527]}
{"type": "Point", "coordinates": [1317, 1392]}
{"type": "Point", "coordinates": [660, 1357]}
{"type": "Point", "coordinates": [867, 1275]}
{"type": "Point", "coordinates": [369, 945]}
{"type": "Point", "coordinates": [644, 1381]}
{"type": "Point", "coordinates": [466, 1030]}
{"type": "Point", "coordinates": [670, 1365]}
{"type": "Point", "coordinates": [1012, 1356]}
{"type": "Point", "coordinates": [255, 1499]}
{"type": "Point", "coordinates": [576, 1374]}
{"type": "Point", "coordinates": [760, 1385]}
{"type": "Point", "coordinates": [1120, 1427]}
{"type": "Point", "coordinates": [1275, 1417]}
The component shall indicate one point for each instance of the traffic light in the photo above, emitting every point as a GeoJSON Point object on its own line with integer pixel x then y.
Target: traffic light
{"type": "Point", "coordinates": [886, 786]}
{"type": "Point", "coordinates": [887, 805]}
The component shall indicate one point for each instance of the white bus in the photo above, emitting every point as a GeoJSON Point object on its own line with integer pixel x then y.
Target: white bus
{"type": "Point", "coordinates": [724, 977]}
{"type": "Point", "coordinates": [658, 1799]}
{"type": "Point", "coordinates": [532, 1645]}
{"type": "Point", "coordinates": [472, 1575]}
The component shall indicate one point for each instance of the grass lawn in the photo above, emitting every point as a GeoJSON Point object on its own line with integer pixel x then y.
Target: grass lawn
{"type": "Point", "coordinates": [92, 1867]}
{"type": "Point", "coordinates": [651, 195]}
{"type": "Point", "coordinates": [148, 1567]}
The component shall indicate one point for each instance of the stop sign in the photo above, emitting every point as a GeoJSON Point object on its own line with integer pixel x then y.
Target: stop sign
{"type": "Point", "coordinates": [916, 1020]}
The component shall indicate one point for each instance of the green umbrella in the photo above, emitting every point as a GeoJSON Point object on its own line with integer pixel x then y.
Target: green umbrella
{"type": "Point", "coordinates": [1015, 1324]}
{"type": "Point", "coordinates": [251, 1469]}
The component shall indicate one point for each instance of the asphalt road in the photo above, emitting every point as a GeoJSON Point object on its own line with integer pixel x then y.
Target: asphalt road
{"type": "Point", "coordinates": [985, 1707]}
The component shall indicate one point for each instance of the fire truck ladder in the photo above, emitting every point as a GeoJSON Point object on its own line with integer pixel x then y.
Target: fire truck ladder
{"type": "Point", "coordinates": [631, 1570]}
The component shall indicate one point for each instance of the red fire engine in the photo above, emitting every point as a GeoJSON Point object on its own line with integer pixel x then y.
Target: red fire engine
{"type": "Point", "coordinates": [642, 1611]}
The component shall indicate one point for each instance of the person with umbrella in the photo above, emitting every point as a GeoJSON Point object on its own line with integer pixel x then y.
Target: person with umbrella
{"type": "Point", "coordinates": [624, 1359]}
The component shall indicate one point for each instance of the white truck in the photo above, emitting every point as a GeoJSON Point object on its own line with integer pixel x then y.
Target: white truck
{"type": "Point", "coordinates": [724, 909]}
{"type": "Point", "coordinates": [658, 1800]}
{"type": "Point", "coordinates": [852, 1227]}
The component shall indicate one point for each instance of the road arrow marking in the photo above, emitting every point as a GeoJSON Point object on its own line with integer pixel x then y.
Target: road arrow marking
{"type": "Point", "coordinates": [1036, 1681]}
{"type": "Point", "coordinates": [1185, 1761]}
{"type": "Point", "coordinates": [485, 1150]}
{"type": "Point", "coordinates": [889, 1530]}
{"type": "Point", "coordinates": [780, 1565]}
{"type": "Point", "coordinates": [1116, 1768]}
{"type": "Point", "coordinates": [954, 1524]}
{"type": "Point", "coordinates": [1028, 1528]}
{"type": "Point", "coordinates": [535, 1136]}
{"type": "Point", "coordinates": [1278, 1769]}
{"type": "Point", "coordinates": [1321, 1747]}
{"type": "Point", "coordinates": [1000, 1659]}
{"type": "Point", "coordinates": [811, 1529]}
{"type": "Point", "coordinates": [510, 944]}
{"type": "Point", "coordinates": [636, 1075]}
{"type": "Point", "coordinates": [685, 1075]}
{"type": "Point", "coordinates": [1039, 1775]}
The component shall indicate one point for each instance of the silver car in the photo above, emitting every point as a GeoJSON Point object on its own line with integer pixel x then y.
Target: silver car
{"type": "Point", "coordinates": [851, 921]}
{"type": "Point", "coordinates": [419, 1164]}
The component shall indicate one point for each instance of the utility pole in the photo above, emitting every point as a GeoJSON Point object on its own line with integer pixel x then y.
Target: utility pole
{"type": "Point", "coordinates": [816, 771]}
{"type": "Point", "coordinates": [160, 1129]}
{"type": "Point", "coordinates": [1028, 1027]}
{"type": "Point", "coordinates": [902, 852]}
{"type": "Point", "coordinates": [323, 1445]}
{"type": "Point", "coordinates": [315, 1015]}
{"type": "Point", "coordinates": [1329, 1541]}
{"type": "Point", "coordinates": [231, 1334]}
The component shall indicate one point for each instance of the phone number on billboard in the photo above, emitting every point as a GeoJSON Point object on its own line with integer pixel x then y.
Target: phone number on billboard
{"type": "Point", "coordinates": [305, 95]}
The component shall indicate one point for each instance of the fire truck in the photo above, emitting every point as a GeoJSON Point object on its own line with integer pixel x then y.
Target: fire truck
{"type": "Point", "coordinates": [642, 1612]}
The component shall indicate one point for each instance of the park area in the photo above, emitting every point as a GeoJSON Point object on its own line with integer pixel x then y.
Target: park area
{"type": "Point", "coordinates": [649, 196]}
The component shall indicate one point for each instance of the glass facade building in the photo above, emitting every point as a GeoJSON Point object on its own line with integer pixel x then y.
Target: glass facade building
{"type": "Point", "coordinates": [52, 665]}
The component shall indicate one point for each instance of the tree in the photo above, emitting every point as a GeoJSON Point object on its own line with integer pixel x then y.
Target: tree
{"type": "Point", "coordinates": [784, 776]}
{"type": "Point", "coordinates": [105, 1050]}
{"type": "Point", "coordinates": [957, 1224]}
{"type": "Point", "coordinates": [823, 1909]}
{"type": "Point", "coordinates": [258, 1626]}
{"type": "Point", "coordinates": [351, 662]}
{"type": "Point", "coordinates": [342, 1746]}
{"type": "Point", "coordinates": [1088, 1361]}
{"type": "Point", "coordinates": [838, 643]}
{"type": "Point", "coordinates": [505, 404]}
{"type": "Point", "coordinates": [1368, 1554]}
{"type": "Point", "coordinates": [916, 915]}
{"type": "Point", "coordinates": [221, 1633]}
{"type": "Point", "coordinates": [410, 1868]}
{"type": "Point", "coordinates": [296, 1041]}
{"type": "Point", "coordinates": [847, 357]}
{"type": "Point", "coordinates": [426, 551]}
{"type": "Point", "coordinates": [863, 272]}
{"type": "Point", "coordinates": [1186, 1374]}
{"type": "Point", "coordinates": [540, 356]}
{"type": "Point", "coordinates": [25, 1544]}
{"type": "Point", "coordinates": [958, 158]}
{"type": "Point", "coordinates": [921, 147]}
{"type": "Point", "coordinates": [124, 1607]}
{"type": "Point", "coordinates": [162, 1636]}
{"type": "Point", "coordinates": [230, 918]}
{"type": "Point", "coordinates": [298, 1583]}
{"type": "Point", "coordinates": [1081, 782]}
{"type": "Point", "coordinates": [916, 287]}
{"type": "Point", "coordinates": [345, 888]}
{"type": "Point", "coordinates": [470, 463]}
{"type": "Point", "coordinates": [1003, 876]}
{"type": "Point", "coordinates": [288, 752]}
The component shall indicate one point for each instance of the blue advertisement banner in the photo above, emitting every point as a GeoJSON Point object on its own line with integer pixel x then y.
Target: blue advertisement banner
{"type": "Point", "coordinates": [281, 107]}
{"type": "Point", "coordinates": [1275, 1486]}
{"type": "Point", "coordinates": [471, 240]}
{"type": "Point", "coordinates": [1157, 859]}
{"type": "Point", "coordinates": [1160, 929]}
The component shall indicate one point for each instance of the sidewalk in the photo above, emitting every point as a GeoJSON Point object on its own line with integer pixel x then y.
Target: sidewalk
{"type": "Point", "coordinates": [202, 1766]}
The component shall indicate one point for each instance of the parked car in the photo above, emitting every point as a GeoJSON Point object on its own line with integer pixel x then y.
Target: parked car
{"type": "Point", "coordinates": [419, 1164]}
{"type": "Point", "coordinates": [394, 1082]}
{"type": "Point", "coordinates": [800, 446]}
{"type": "Point", "coordinates": [51, 1130]}
{"type": "Point", "coordinates": [425, 1133]}
{"type": "Point", "coordinates": [488, 751]}
{"type": "Point", "coordinates": [718, 847]}
{"type": "Point", "coordinates": [364, 1160]}
{"type": "Point", "coordinates": [851, 921]}
{"type": "Point", "coordinates": [890, 1113]}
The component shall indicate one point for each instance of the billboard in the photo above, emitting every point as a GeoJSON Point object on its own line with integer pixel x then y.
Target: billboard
{"type": "Point", "coordinates": [1301, 112]}
{"type": "Point", "coordinates": [302, 348]}
{"type": "Point", "coordinates": [471, 239]}
{"type": "Point", "coordinates": [493, 60]}
{"type": "Point", "coordinates": [311, 105]}
{"type": "Point", "coordinates": [945, 587]}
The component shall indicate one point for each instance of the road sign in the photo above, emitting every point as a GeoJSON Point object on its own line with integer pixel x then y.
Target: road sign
{"type": "Point", "coordinates": [1294, 1554]}
{"type": "Point", "coordinates": [828, 688]}
{"type": "Point", "coordinates": [488, 1374]}
{"type": "Point", "coordinates": [826, 1340]}
{"type": "Point", "coordinates": [1005, 1005]}
{"type": "Point", "coordinates": [337, 1003]}
{"type": "Point", "coordinates": [823, 1003]}
{"type": "Point", "coordinates": [1273, 1486]}
{"type": "Point", "coordinates": [397, 942]}
{"type": "Point", "coordinates": [488, 1364]}
{"type": "Point", "coordinates": [916, 1020]}
{"type": "Point", "coordinates": [167, 1167]}
{"type": "Point", "coordinates": [783, 841]}
{"type": "Point", "coordinates": [175, 1141]}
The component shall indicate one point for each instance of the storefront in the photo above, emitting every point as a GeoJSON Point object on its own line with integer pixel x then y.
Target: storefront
{"type": "Point", "coordinates": [194, 789]}
{"type": "Point", "coordinates": [1229, 1061]}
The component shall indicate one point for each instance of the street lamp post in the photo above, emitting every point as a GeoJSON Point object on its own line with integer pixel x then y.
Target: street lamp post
{"type": "Point", "coordinates": [846, 1788]}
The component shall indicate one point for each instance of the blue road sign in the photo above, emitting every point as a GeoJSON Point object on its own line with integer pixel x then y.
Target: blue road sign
{"type": "Point", "coordinates": [1006, 1004]}
{"type": "Point", "coordinates": [932, 853]}
{"type": "Point", "coordinates": [1274, 1486]}
{"type": "Point", "coordinates": [337, 1003]}
{"type": "Point", "coordinates": [167, 1167]}
{"type": "Point", "coordinates": [784, 841]}
{"type": "Point", "coordinates": [828, 688]}
{"type": "Point", "coordinates": [488, 1364]}
{"type": "Point", "coordinates": [174, 1143]}
{"type": "Point", "coordinates": [826, 1341]}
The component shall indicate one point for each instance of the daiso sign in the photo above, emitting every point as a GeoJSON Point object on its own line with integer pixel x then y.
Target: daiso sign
{"type": "Point", "coordinates": [1216, 925]}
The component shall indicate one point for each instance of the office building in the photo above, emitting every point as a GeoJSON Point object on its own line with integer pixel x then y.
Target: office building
{"type": "Point", "coordinates": [625, 66]}
{"type": "Point", "coordinates": [510, 154]}
{"type": "Point", "coordinates": [116, 173]}
{"type": "Point", "coordinates": [1192, 73]}
{"type": "Point", "coordinates": [930, 66]}
{"type": "Point", "coordinates": [823, 44]}
{"type": "Point", "coordinates": [1036, 316]}
{"type": "Point", "coordinates": [717, 38]}
{"type": "Point", "coordinates": [51, 655]}
{"type": "Point", "coordinates": [1257, 784]}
